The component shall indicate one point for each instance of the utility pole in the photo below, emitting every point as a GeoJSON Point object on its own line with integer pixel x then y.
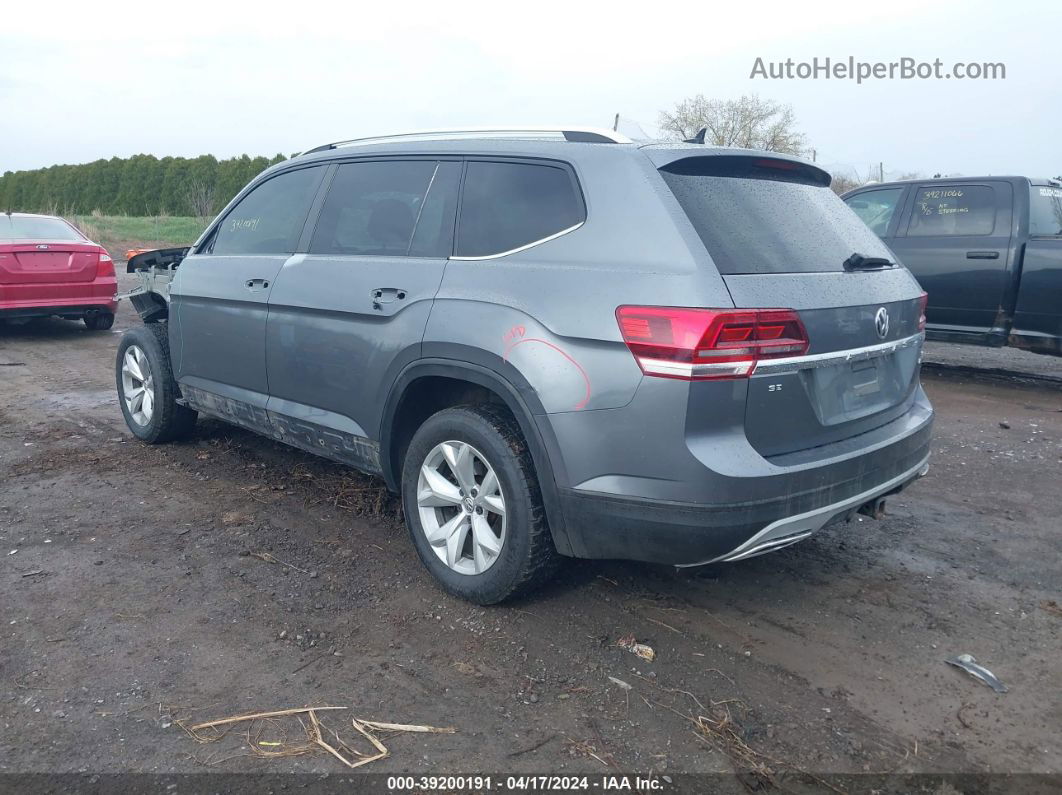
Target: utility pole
{"type": "Point", "coordinates": [615, 123]}
{"type": "Point", "coordinates": [813, 153]}
{"type": "Point", "coordinates": [881, 171]}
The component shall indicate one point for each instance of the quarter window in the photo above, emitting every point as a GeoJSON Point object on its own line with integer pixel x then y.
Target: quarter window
{"type": "Point", "coordinates": [389, 208]}
{"type": "Point", "coordinates": [1045, 211]}
{"type": "Point", "coordinates": [953, 210]}
{"type": "Point", "coordinates": [269, 219]}
{"type": "Point", "coordinates": [876, 208]}
{"type": "Point", "coordinates": [509, 205]}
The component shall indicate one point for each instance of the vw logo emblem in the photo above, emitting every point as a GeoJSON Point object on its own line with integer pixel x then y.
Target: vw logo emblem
{"type": "Point", "coordinates": [881, 322]}
{"type": "Point", "coordinates": [469, 504]}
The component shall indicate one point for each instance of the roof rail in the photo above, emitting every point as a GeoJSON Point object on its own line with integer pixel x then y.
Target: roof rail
{"type": "Point", "coordinates": [593, 135]}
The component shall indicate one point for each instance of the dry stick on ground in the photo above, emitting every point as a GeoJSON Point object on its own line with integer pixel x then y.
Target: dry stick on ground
{"type": "Point", "coordinates": [722, 735]}
{"type": "Point", "coordinates": [290, 750]}
{"type": "Point", "coordinates": [407, 727]}
{"type": "Point", "coordinates": [270, 558]}
{"type": "Point", "coordinates": [585, 749]}
{"type": "Point", "coordinates": [315, 735]}
{"type": "Point", "coordinates": [665, 626]}
{"type": "Point", "coordinates": [211, 724]}
{"type": "Point", "coordinates": [531, 748]}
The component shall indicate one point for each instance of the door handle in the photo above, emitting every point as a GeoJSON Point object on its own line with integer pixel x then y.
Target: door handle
{"type": "Point", "coordinates": [387, 295]}
{"type": "Point", "coordinates": [982, 255]}
{"type": "Point", "coordinates": [254, 283]}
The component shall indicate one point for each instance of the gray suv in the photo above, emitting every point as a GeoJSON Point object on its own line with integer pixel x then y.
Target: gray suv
{"type": "Point", "coordinates": [551, 343]}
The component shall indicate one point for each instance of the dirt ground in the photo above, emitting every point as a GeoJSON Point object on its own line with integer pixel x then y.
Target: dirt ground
{"type": "Point", "coordinates": [142, 585]}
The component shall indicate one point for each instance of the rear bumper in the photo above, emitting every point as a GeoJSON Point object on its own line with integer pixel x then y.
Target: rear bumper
{"type": "Point", "coordinates": [43, 299]}
{"type": "Point", "coordinates": [51, 308]}
{"type": "Point", "coordinates": [778, 510]}
{"type": "Point", "coordinates": [789, 530]}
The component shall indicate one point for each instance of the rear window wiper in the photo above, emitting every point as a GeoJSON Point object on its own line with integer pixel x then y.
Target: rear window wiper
{"type": "Point", "coordinates": [859, 262]}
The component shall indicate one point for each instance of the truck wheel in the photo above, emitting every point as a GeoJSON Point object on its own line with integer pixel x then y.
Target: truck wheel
{"type": "Point", "coordinates": [99, 321]}
{"type": "Point", "coordinates": [473, 505]}
{"type": "Point", "coordinates": [146, 389]}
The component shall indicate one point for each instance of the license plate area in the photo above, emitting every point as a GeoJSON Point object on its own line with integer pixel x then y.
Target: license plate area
{"type": "Point", "coordinates": [848, 391]}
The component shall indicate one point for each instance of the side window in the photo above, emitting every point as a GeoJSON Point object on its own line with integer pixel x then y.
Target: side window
{"type": "Point", "coordinates": [1045, 211]}
{"type": "Point", "coordinates": [269, 219]}
{"type": "Point", "coordinates": [509, 205]}
{"type": "Point", "coordinates": [394, 208]}
{"type": "Point", "coordinates": [876, 208]}
{"type": "Point", "coordinates": [953, 210]}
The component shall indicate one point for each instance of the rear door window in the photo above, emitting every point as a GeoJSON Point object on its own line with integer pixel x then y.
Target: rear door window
{"type": "Point", "coordinates": [876, 208]}
{"type": "Point", "coordinates": [269, 219]}
{"type": "Point", "coordinates": [510, 205]}
{"type": "Point", "coordinates": [948, 210]}
{"type": "Point", "coordinates": [757, 217]}
{"type": "Point", "coordinates": [394, 208]}
{"type": "Point", "coordinates": [1045, 211]}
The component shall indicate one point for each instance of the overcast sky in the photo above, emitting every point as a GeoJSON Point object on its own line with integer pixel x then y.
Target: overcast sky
{"type": "Point", "coordinates": [111, 78]}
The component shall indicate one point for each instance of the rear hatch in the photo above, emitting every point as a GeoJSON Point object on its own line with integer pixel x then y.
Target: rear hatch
{"type": "Point", "coordinates": [42, 250]}
{"type": "Point", "coordinates": [781, 238]}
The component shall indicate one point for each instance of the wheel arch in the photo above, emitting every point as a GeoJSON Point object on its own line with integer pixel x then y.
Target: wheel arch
{"type": "Point", "coordinates": [509, 389]}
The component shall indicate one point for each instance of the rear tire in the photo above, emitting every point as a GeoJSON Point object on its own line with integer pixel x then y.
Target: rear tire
{"type": "Point", "coordinates": [495, 556]}
{"type": "Point", "coordinates": [147, 391]}
{"type": "Point", "coordinates": [99, 321]}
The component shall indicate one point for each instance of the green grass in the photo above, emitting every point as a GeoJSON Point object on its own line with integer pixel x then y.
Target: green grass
{"type": "Point", "coordinates": [118, 233]}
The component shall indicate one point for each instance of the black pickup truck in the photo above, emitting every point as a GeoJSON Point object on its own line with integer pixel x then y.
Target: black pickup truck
{"type": "Point", "coordinates": [987, 250]}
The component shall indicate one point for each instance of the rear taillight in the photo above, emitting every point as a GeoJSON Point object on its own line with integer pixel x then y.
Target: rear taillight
{"type": "Point", "coordinates": [706, 344]}
{"type": "Point", "coordinates": [106, 265]}
{"type": "Point", "coordinates": [923, 299]}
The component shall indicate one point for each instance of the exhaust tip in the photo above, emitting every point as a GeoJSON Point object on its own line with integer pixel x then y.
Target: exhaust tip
{"type": "Point", "coordinates": [875, 508]}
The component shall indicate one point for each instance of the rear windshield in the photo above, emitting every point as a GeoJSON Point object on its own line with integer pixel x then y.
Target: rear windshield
{"type": "Point", "coordinates": [1045, 210]}
{"type": "Point", "coordinates": [769, 219]}
{"type": "Point", "coordinates": [23, 227]}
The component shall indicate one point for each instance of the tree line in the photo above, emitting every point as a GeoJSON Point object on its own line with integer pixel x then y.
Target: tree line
{"type": "Point", "coordinates": [141, 185]}
{"type": "Point", "coordinates": [144, 185]}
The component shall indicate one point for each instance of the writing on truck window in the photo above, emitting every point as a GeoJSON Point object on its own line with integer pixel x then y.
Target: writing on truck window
{"type": "Point", "coordinates": [934, 201]}
{"type": "Point", "coordinates": [958, 210]}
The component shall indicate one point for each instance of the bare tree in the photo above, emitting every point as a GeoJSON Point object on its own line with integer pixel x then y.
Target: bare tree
{"type": "Point", "coordinates": [842, 183]}
{"type": "Point", "coordinates": [748, 122]}
{"type": "Point", "coordinates": [201, 199]}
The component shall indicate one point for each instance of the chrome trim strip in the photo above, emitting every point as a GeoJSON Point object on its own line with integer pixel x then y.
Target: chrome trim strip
{"type": "Point", "coordinates": [525, 247]}
{"type": "Point", "coordinates": [690, 370]}
{"type": "Point", "coordinates": [804, 524]}
{"type": "Point", "coordinates": [770, 546]}
{"type": "Point", "coordinates": [816, 360]}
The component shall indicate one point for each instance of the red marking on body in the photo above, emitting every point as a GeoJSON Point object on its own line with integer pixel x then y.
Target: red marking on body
{"type": "Point", "coordinates": [586, 398]}
{"type": "Point", "coordinates": [514, 332]}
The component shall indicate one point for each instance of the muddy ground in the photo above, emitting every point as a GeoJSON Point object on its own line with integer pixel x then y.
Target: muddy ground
{"type": "Point", "coordinates": [144, 585]}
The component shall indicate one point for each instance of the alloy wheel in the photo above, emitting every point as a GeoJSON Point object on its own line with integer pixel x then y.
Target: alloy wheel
{"type": "Point", "coordinates": [138, 387]}
{"type": "Point", "coordinates": [462, 508]}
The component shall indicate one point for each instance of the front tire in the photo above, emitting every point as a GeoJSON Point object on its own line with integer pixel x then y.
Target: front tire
{"type": "Point", "coordinates": [473, 505]}
{"type": "Point", "coordinates": [147, 390]}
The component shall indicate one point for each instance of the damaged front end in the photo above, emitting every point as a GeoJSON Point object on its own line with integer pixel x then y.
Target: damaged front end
{"type": "Point", "coordinates": [155, 270]}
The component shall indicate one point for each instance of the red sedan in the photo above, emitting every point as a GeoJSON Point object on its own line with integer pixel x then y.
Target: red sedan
{"type": "Point", "coordinates": [47, 267]}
